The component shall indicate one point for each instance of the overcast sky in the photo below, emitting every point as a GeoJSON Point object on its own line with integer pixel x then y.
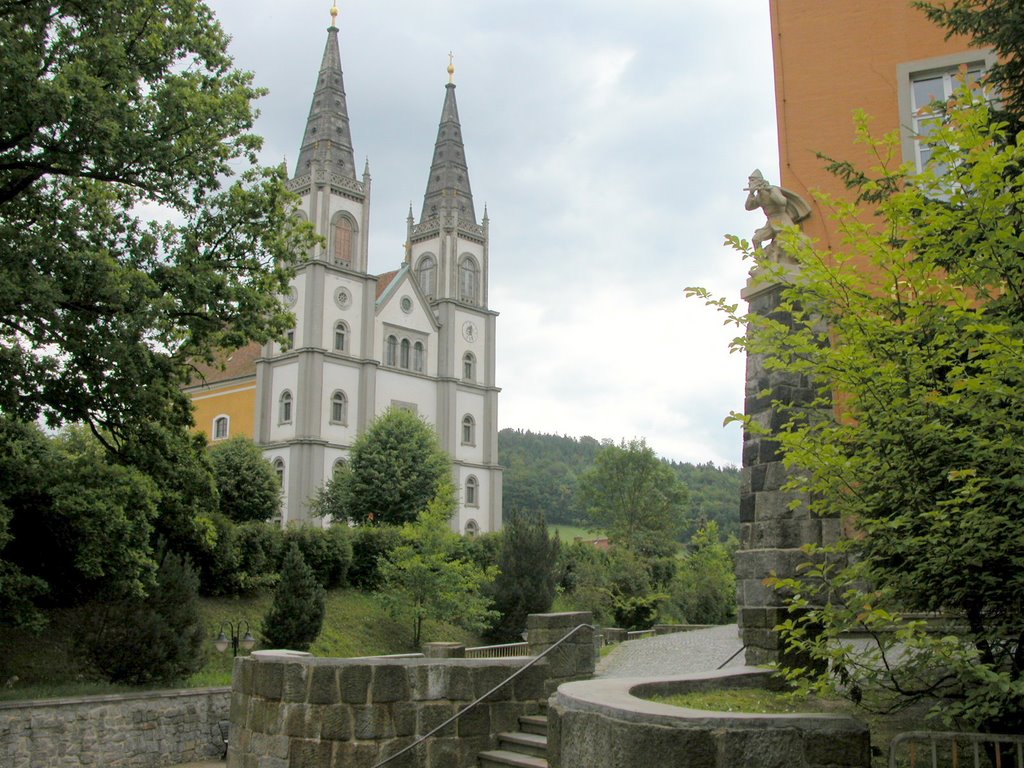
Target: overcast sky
{"type": "Point", "coordinates": [611, 143]}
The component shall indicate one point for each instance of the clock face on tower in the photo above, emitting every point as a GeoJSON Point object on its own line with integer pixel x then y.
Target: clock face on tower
{"type": "Point", "coordinates": [469, 331]}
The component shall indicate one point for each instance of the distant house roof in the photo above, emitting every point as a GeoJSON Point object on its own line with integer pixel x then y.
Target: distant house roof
{"type": "Point", "coordinates": [236, 364]}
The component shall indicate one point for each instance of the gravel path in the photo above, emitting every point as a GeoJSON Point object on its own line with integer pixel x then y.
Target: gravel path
{"type": "Point", "coordinates": [699, 650]}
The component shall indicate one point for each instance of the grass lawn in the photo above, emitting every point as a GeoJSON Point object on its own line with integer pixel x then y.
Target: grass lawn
{"type": "Point", "coordinates": [756, 700]}
{"type": "Point", "coordinates": [47, 665]}
{"type": "Point", "coordinates": [567, 533]}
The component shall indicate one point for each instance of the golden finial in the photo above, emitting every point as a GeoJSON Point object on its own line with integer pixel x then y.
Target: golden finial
{"type": "Point", "coordinates": [334, 14]}
{"type": "Point", "coordinates": [451, 67]}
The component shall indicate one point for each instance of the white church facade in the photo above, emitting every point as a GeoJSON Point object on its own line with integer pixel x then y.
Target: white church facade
{"type": "Point", "coordinates": [421, 337]}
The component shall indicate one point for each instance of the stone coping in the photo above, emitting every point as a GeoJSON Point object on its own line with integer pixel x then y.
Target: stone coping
{"type": "Point", "coordinates": [621, 699]}
{"type": "Point", "coordinates": [114, 698]}
{"type": "Point", "coordinates": [412, 660]}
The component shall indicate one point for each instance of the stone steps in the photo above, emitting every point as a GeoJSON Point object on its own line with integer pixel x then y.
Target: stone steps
{"type": "Point", "coordinates": [525, 748]}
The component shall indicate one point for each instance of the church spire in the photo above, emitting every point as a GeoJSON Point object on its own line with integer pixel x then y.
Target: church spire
{"type": "Point", "coordinates": [448, 185]}
{"type": "Point", "coordinates": [327, 138]}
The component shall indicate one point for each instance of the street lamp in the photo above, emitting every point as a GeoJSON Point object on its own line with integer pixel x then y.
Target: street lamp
{"type": "Point", "coordinates": [247, 641]}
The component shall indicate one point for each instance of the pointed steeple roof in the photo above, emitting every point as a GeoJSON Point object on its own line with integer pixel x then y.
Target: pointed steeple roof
{"type": "Point", "coordinates": [448, 185]}
{"type": "Point", "coordinates": [327, 137]}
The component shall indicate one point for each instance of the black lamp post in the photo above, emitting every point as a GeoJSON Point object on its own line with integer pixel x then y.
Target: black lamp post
{"type": "Point", "coordinates": [247, 641]}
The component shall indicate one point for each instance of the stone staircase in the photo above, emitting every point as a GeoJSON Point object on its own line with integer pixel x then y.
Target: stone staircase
{"type": "Point", "coordinates": [525, 748]}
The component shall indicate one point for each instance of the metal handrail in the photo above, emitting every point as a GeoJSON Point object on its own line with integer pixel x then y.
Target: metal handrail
{"type": "Point", "coordinates": [974, 739]}
{"type": "Point", "coordinates": [479, 699]}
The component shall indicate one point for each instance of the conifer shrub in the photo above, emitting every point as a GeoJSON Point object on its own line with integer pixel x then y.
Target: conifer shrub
{"type": "Point", "coordinates": [158, 638]}
{"type": "Point", "coordinates": [297, 612]}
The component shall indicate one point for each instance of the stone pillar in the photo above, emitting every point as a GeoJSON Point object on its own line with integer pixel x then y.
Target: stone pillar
{"type": "Point", "coordinates": [444, 650]}
{"type": "Point", "coordinates": [771, 531]}
{"type": "Point", "coordinates": [576, 658]}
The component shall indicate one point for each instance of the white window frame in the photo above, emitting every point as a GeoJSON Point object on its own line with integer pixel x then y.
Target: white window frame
{"type": "Point", "coordinates": [339, 396]}
{"type": "Point", "coordinates": [285, 407]}
{"type": "Point", "coordinates": [227, 426]}
{"type": "Point", "coordinates": [341, 331]}
{"type": "Point", "coordinates": [469, 367]}
{"type": "Point", "coordinates": [472, 493]}
{"type": "Point", "coordinates": [469, 279]}
{"type": "Point", "coordinates": [468, 430]}
{"type": "Point", "coordinates": [907, 73]}
{"type": "Point", "coordinates": [426, 275]}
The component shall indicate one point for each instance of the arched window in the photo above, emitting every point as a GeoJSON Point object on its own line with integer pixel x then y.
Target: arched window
{"type": "Point", "coordinates": [472, 491]}
{"type": "Point", "coordinates": [468, 280]}
{"type": "Point", "coordinates": [472, 528]}
{"type": "Point", "coordinates": [339, 465]}
{"type": "Point", "coordinates": [220, 428]}
{"type": "Point", "coordinates": [339, 408]}
{"type": "Point", "coordinates": [279, 471]}
{"type": "Point", "coordinates": [426, 272]}
{"type": "Point", "coordinates": [391, 352]}
{"type": "Point", "coordinates": [405, 353]}
{"type": "Point", "coordinates": [285, 410]}
{"type": "Point", "coordinates": [469, 367]}
{"type": "Point", "coordinates": [418, 363]}
{"type": "Point", "coordinates": [340, 336]}
{"type": "Point", "coordinates": [343, 239]}
{"type": "Point", "coordinates": [468, 430]}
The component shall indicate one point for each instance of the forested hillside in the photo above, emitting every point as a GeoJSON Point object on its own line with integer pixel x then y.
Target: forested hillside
{"type": "Point", "coordinates": [541, 472]}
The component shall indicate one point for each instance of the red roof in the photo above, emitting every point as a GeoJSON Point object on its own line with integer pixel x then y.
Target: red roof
{"type": "Point", "coordinates": [383, 281]}
{"type": "Point", "coordinates": [236, 364]}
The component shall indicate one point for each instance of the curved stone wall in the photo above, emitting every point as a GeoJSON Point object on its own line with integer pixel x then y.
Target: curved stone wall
{"type": "Point", "coordinates": [608, 724]}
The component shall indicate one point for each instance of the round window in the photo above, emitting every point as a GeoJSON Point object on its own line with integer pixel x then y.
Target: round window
{"type": "Point", "coordinates": [343, 298]}
{"type": "Point", "coordinates": [406, 304]}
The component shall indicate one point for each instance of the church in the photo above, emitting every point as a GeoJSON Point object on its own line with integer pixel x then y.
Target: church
{"type": "Point", "coordinates": [421, 337]}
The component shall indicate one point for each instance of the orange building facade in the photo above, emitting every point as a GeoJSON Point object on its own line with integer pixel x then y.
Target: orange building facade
{"type": "Point", "coordinates": [832, 58]}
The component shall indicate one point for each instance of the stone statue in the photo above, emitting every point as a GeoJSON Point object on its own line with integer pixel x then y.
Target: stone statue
{"type": "Point", "coordinates": [782, 207]}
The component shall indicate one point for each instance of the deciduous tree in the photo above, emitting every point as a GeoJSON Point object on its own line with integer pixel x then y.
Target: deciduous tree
{"type": "Point", "coordinates": [918, 322]}
{"type": "Point", "coordinates": [396, 467]}
{"type": "Point", "coordinates": [424, 579]}
{"type": "Point", "coordinates": [246, 482]}
{"type": "Point", "coordinates": [635, 496]}
{"type": "Point", "coordinates": [113, 109]}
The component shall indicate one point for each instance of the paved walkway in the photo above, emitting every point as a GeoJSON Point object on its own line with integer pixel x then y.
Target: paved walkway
{"type": "Point", "coordinates": [700, 650]}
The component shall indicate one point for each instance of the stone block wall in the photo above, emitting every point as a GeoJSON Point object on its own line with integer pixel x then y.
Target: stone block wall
{"type": "Point", "coordinates": [143, 730]}
{"type": "Point", "coordinates": [295, 711]}
{"type": "Point", "coordinates": [609, 723]}
{"type": "Point", "coordinates": [576, 658]}
{"type": "Point", "coordinates": [771, 529]}
{"type": "Point", "coordinates": [305, 712]}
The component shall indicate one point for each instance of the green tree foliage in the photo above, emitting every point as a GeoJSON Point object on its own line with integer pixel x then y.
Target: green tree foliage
{"type": "Point", "coordinates": [395, 468]}
{"type": "Point", "coordinates": [297, 613]}
{"type": "Point", "coordinates": [78, 523]}
{"type": "Point", "coordinates": [527, 575]}
{"type": "Point", "coordinates": [919, 322]}
{"type": "Point", "coordinates": [615, 585]}
{"type": "Point", "coordinates": [246, 482]}
{"type": "Point", "coordinates": [635, 496]}
{"type": "Point", "coordinates": [704, 588]}
{"type": "Point", "coordinates": [541, 472]}
{"type": "Point", "coordinates": [327, 551]}
{"type": "Point", "coordinates": [424, 579]}
{"type": "Point", "coordinates": [714, 497]}
{"type": "Point", "coordinates": [371, 545]}
{"type": "Point", "coordinates": [110, 109]}
{"type": "Point", "coordinates": [990, 23]}
{"type": "Point", "coordinates": [157, 638]}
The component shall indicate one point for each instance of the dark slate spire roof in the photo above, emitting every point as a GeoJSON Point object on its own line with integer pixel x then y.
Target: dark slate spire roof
{"type": "Point", "coordinates": [449, 177]}
{"type": "Point", "coordinates": [327, 136]}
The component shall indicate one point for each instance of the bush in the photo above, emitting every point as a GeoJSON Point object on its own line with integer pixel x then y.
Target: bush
{"type": "Point", "coordinates": [259, 548]}
{"type": "Point", "coordinates": [297, 613]}
{"type": "Point", "coordinates": [704, 589]}
{"type": "Point", "coordinates": [527, 570]}
{"type": "Point", "coordinates": [328, 551]}
{"type": "Point", "coordinates": [155, 639]}
{"type": "Point", "coordinates": [248, 486]}
{"type": "Point", "coordinates": [369, 545]}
